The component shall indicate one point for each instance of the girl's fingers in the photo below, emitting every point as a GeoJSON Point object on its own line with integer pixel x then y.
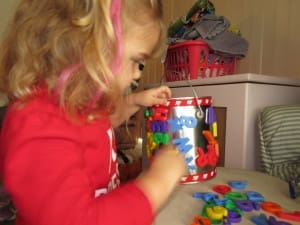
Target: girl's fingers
{"type": "Point", "coordinates": [165, 91]}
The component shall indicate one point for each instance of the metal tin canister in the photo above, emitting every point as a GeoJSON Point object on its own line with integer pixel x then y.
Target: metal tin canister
{"type": "Point", "coordinates": [189, 123]}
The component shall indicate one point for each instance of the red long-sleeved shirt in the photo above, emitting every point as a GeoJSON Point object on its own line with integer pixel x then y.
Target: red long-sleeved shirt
{"type": "Point", "coordinates": [61, 172]}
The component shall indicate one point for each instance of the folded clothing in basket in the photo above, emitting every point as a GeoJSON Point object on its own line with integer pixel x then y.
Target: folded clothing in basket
{"type": "Point", "coordinates": [214, 31]}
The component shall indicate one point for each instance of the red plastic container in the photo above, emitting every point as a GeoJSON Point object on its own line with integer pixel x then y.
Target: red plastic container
{"type": "Point", "coordinates": [194, 59]}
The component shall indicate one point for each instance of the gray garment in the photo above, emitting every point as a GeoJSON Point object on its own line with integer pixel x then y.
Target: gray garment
{"type": "Point", "coordinates": [214, 31]}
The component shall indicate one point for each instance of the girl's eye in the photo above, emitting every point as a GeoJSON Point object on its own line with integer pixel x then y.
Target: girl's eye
{"type": "Point", "coordinates": [141, 66]}
{"type": "Point", "coordinates": [140, 63]}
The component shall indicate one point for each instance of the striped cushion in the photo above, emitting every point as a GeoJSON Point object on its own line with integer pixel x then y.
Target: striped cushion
{"type": "Point", "coordinates": [279, 128]}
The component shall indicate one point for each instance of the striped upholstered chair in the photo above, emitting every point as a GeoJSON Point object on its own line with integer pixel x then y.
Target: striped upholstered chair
{"type": "Point", "coordinates": [279, 129]}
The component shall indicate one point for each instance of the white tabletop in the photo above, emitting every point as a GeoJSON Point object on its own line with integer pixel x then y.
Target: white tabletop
{"type": "Point", "coordinates": [182, 207]}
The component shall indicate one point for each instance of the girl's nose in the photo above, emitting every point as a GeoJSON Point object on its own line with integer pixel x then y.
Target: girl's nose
{"type": "Point", "coordinates": [137, 75]}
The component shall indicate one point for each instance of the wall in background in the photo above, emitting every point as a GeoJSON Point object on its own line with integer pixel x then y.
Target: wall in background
{"type": "Point", "coordinates": [6, 12]}
{"type": "Point", "coordinates": [270, 26]}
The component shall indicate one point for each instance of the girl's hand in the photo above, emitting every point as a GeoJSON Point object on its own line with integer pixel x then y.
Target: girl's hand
{"type": "Point", "coordinates": [169, 163]}
{"type": "Point", "coordinates": [133, 102]}
{"type": "Point", "coordinates": [153, 96]}
{"type": "Point", "coordinates": [159, 181]}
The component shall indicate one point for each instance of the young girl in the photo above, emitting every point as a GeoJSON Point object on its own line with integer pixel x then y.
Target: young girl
{"type": "Point", "coordinates": [65, 66]}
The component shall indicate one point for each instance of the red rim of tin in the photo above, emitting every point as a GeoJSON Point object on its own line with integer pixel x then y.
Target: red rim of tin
{"type": "Point", "coordinates": [195, 178]}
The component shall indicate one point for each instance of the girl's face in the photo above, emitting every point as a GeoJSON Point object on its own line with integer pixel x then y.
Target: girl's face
{"type": "Point", "coordinates": [138, 44]}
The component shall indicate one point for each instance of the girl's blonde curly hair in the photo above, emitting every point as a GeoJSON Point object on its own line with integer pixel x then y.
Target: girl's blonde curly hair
{"type": "Point", "coordinates": [45, 37]}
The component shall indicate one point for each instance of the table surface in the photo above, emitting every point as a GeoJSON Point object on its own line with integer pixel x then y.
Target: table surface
{"type": "Point", "coordinates": [182, 207]}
